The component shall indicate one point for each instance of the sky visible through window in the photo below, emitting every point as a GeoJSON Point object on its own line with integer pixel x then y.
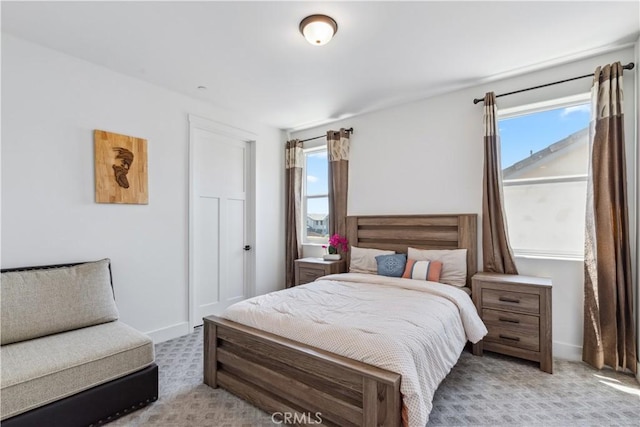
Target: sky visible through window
{"type": "Point", "coordinates": [317, 182]}
{"type": "Point", "coordinates": [524, 135]}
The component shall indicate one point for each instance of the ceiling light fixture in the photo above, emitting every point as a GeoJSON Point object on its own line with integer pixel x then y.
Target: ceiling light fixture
{"type": "Point", "coordinates": [318, 29]}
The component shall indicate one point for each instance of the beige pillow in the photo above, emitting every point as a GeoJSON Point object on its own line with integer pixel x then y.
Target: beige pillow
{"type": "Point", "coordinates": [36, 303]}
{"type": "Point", "coordinates": [454, 263]}
{"type": "Point", "coordinates": [364, 260]}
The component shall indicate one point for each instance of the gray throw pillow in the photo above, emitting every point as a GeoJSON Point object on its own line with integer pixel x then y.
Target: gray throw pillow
{"type": "Point", "coordinates": [391, 265]}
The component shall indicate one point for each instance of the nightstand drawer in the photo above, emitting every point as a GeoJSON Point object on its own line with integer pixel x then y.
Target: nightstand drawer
{"type": "Point", "coordinates": [511, 301]}
{"type": "Point", "coordinates": [309, 269]}
{"type": "Point", "coordinates": [310, 274]}
{"type": "Point", "coordinates": [512, 338]}
{"type": "Point", "coordinates": [521, 323]}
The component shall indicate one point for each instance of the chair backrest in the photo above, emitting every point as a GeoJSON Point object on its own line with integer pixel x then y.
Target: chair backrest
{"type": "Point", "coordinates": [45, 300]}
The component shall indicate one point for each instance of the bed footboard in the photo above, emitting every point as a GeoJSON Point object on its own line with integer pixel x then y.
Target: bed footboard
{"type": "Point", "coordinates": [296, 383]}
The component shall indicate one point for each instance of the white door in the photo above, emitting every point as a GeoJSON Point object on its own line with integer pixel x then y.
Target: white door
{"type": "Point", "coordinates": [220, 247]}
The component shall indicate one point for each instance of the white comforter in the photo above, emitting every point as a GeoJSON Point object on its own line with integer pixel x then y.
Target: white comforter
{"type": "Point", "coordinates": [415, 328]}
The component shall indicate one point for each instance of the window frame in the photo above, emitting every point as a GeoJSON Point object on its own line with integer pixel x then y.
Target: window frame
{"type": "Point", "coordinates": [317, 147]}
{"type": "Point", "coordinates": [527, 109]}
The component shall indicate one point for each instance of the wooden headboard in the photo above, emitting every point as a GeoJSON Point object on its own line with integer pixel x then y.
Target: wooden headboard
{"type": "Point", "coordinates": [399, 232]}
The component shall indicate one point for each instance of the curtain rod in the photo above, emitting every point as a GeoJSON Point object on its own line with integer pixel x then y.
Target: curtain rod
{"type": "Point", "coordinates": [350, 130]}
{"type": "Point", "coordinates": [629, 66]}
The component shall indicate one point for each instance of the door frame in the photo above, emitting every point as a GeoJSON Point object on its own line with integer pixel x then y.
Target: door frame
{"type": "Point", "coordinates": [196, 122]}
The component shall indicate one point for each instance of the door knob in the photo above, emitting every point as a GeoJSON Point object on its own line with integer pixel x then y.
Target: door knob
{"type": "Point", "coordinates": [247, 247]}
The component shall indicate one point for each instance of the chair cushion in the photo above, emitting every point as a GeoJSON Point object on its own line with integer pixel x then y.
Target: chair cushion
{"type": "Point", "coordinates": [39, 371]}
{"type": "Point", "coordinates": [36, 303]}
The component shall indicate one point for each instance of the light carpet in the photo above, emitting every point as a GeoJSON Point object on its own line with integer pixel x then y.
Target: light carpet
{"type": "Point", "coordinates": [492, 390]}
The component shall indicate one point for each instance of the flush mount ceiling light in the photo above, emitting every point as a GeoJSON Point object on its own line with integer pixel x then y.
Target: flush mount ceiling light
{"type": "Point", "coordinates": [318, 29]}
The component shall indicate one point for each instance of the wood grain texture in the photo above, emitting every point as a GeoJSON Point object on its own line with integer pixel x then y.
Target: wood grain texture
{"type": "Point", "coordinates": [210, 352]}
{"type": "Point", "coordinates": [510, 300]}
{"type": "Point", "coordinates": [281, 375]}
{"type": "Point", "coordinates": [523, 323]}
{"type": "Point", "coordinates": [120, 168]}
{"type": "Point", "coordinates": [513, 337]}
{"type": "Point", "coordinates": [517, 312]}
{"type": "Point", "coordinates": [399, 232]}
{"type": "Point", "coordinates": [309, 269]}
{"type": "Point", "coordinates": [546, 333]}
{"type": "Point", "coordinates": [291, 389]}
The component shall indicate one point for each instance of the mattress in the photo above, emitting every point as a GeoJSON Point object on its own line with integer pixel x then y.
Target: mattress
{"type": "Point", "coordinates": [415, 328]}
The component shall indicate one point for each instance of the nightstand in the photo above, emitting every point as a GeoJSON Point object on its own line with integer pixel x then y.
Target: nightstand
{"type": "Point", "coordinates": [309, 269]}
{"type": "Point", "coordinates": [517, 312]}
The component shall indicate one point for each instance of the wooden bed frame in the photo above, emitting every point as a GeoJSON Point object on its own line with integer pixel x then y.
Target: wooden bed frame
{"type": "Point", "coordinates": [304, 385]}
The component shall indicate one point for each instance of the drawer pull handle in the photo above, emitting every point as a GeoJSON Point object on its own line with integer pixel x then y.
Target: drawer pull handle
{"type": "Point", "coordinates": [506, 319]}
{"type": "Point", "coordinates": [507, 299]}
{"type": "Point", "coordinates": [507, 337]}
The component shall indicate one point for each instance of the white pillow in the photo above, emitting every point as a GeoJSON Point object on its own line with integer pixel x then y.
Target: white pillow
{"type": "Point", "coordinates": [454, 263]}
{"type": "Point", "coordinates": [364, 260]}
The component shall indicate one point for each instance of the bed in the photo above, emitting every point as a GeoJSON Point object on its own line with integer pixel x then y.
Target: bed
{"type": "Point", "coordinates": [287, 377]}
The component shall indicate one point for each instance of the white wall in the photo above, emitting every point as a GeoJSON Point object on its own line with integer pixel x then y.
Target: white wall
{"type": "Point", "coordinates": [51, 103]}
{"type": "Point", "coordinates": [427, 157]}
{"type": "Point", "coordinates": [637, 157]}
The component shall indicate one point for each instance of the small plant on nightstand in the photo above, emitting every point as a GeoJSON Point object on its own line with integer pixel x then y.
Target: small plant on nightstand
{"type": "Point", "coordinates": [336, 243]}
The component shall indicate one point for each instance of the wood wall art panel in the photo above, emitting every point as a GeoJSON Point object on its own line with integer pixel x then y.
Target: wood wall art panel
{"type": "Point", "coordinates": [121, 168]}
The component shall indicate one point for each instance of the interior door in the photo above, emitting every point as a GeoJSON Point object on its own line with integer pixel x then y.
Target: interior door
{"type": "Point", "coordinates": [218, 231]}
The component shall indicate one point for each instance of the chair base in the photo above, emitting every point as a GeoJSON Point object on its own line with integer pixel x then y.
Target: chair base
{"type": "Point", "coordinates": [96, 406]}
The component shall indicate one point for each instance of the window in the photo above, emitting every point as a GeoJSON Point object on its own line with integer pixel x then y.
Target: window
{"type": "Point", "coordinates": [545, 160]}
{"type": "Point", "coordinates": [315, 196]}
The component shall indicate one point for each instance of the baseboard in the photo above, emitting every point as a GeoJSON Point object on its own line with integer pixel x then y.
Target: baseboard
{"type": "Point", "coordinates": [170, 332]}
{"type": "Point", "coordinates": [566, 351]}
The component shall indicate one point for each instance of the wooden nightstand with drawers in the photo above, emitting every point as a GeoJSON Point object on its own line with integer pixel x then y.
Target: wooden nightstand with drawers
{"type": "Point", "coordinates": [309, 269]}
{"type": "Point", "coordinates": [517, 312]}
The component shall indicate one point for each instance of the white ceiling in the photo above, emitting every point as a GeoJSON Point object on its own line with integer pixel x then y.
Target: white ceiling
{"type": "Point", "coordinates": [252, 58]}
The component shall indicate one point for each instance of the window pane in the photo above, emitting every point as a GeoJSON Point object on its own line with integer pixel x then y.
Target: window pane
{"type": "Point", "coordinates": [546, 218]}
{"type": "Point", "coordinates": [545, 159]}
{"type": "Point", "coordinates": [317, 221]}
{"type": "Point", "coordinates": [546, 144]}
{"type": "Point", "coordinates": [317, 174]}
